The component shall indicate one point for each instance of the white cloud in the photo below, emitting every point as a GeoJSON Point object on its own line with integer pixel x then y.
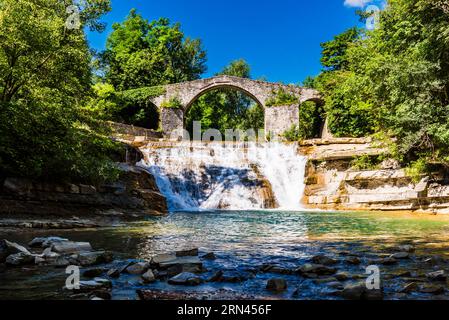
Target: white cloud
{"type": "Point", "coordinates": [357, 3]}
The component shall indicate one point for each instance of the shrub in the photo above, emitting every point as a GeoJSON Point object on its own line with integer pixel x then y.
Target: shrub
{"type": "Point", "coordinates": [416, 169]}
{"type": "Point", "coordinates": [281, 97]}
{"type": "Point", "coordinates": [173, 103]}
{"type": "Point", "coordinates": [364, 162]}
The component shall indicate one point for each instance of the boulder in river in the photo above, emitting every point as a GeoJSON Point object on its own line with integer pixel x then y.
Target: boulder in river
{"type": "Point", "coordinates": [45, 242]}
{"type": "Point", "coordinates": [21, 258]}
{"type": "Point", "coordinates": [435, 260]}
{"type": "Point", "coordinates": [186, 263]}
{"type": "Point", "coordinates": [117, 270]}
{"type": "Point", "coordinates": [113, 273]}
{"type": "Point", "coordinates": [67, 247]}
{"type": "Point", "coordinates": [161, 258]}
{"type": "Point", "coordinates": [353, 260]}
{"type": "Point", "coordinates": [342, 276]}
{"type": "Point", "coordinates": [325, 280]}
{"type": "Point", "coordinates": [410, 287]}
{"type": "Point", "coordinates": [389, 261]}
{"type": "Point", "coordinates": [359, 291]}
{"type": "Point", "coordinates": [138, 268]}
{"type": "Point", "coordinates": [95, 284]}
{"type": "Point", "coordinates": [324, 260]}
{"type": "Point", "coordinates": [315, 269]}
{"type": "Point", "coordinates": [47, 257]}
{"type": "Point", "coordinates": [148, 277]}
{"type": "Point", "coordinates": [431, 288]}
{"type": "Point", "coordinates": [12, 247]}
{"type": "Point", "coordinates": [216, 277]}
{"type": "Point", "coordinates": [187, 253]}
{"type": "Point", "coordinates": [93, 272]}
{"type": "Point", "coordinates": [276, 284]}
{"type": "Point", "coordinates": [400, 255]}
{"type": "Point", "coordinates": [93, 258]}
{"type": "Point", "coordinates": [233, 277]}
{"type": "Point", "coordinates": [186, 278]}
{"type": "Point", "coordinates": [335, 285]}
{"type": "Point", "coordinates": [280, 270]}
{"type": "Point", "coordinates": [439, 275]}
{"type": "Point", "coordinates": [61, 262]}
{"type": "Point", "coordinates": [209, 256]}
{"type": "Point", "coordinates": [3, 251]}
{"type": "Point", "coordinates": [406, 248]}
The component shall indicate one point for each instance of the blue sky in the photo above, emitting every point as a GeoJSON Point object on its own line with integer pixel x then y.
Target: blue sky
{"type": "Point", "coordinates": [280, 39]}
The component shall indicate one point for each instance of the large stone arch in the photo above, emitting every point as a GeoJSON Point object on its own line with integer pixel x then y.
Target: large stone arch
{"type": "Point", "coordinates": [223, 86]}
{"type": "Point", "coordinates": [277, 119]}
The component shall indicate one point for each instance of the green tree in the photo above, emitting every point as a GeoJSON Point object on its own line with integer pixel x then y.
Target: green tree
{"type": "Point", "coordinates": [45, 77]}
{"type": "Point", "coordinates": [143, 54]}
{"type": "Point", "coordinates": [394, 81]}
{"type": "Point", "coordinates": [309, 82]}
{"type": "Point", "coordinates": [333, 56]}
{"type": "Point", "coordinates": [404, 63]}
{"type": "Point", "coordinates": [347, 106]}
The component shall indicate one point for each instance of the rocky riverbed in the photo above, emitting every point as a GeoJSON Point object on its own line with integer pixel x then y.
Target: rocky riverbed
{"type": "Point", "coordinates": [258, 255]}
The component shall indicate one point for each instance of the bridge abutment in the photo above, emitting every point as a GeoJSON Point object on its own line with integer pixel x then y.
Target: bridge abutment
{"type": "Point", "coordinates": [279, 119]}
{"type": "Point", "coordinates": [172, 122]}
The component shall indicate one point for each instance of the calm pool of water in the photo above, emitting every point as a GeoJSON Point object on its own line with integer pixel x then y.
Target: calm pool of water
{"type": "Point", "coordinates": [242, 241]}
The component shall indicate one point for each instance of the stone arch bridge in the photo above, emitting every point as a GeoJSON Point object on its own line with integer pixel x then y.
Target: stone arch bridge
{"type": "Point", "coordinates": [277, 119]}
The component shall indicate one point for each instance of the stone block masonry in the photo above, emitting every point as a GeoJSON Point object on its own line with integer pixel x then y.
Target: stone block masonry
{"type": "Point", "coordinates": [280, 119]}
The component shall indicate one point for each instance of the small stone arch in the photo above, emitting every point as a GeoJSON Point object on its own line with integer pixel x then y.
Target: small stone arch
{"type": "Point", "coordinates": [319, 102]}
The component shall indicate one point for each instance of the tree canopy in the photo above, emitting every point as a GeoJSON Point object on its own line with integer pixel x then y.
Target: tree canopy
{"type": "Point", "coordinates": [45, 77]}
{"type": "Point", "coordinates": [144, 54]}
{"type": "Point", "coordinates": [334, 52]}
{"type": "Point", "coordinates": [393, 81]}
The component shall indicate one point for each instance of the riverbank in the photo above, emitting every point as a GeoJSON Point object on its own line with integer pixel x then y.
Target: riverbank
{"type": "Point", "coordinates": [37, 204]}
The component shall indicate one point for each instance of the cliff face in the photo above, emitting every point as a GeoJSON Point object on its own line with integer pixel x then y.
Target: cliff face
{"type": "Point", "coordinates": [135, 194]}
{"type": "Point", "coordinates": [331, 183]}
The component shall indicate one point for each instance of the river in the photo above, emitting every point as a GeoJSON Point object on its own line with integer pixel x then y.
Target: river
{"type": "Point", "coordinates": [244, 241]}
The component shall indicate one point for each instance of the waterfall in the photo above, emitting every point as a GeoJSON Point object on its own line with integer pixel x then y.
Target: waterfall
{"type": "Point", "coordinates": [197, 176]}
{"type": "Point", "coordinates": [285, 169]}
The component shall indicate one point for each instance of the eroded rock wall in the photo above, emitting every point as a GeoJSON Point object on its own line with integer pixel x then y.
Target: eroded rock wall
{"type": "Point", "coordinates": [331, 183]}
{"type": "Point", "coordinates": [135, 194]}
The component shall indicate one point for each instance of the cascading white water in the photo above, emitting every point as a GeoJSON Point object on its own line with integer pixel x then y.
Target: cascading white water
{"type": "Point", "coordinates": [285, 169]}
{"type": "Point", "coordinates": [195, 176]}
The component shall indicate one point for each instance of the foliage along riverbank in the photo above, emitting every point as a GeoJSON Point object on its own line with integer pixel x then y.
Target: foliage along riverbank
{"type": "Point", "coordinates": [393, 82]}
